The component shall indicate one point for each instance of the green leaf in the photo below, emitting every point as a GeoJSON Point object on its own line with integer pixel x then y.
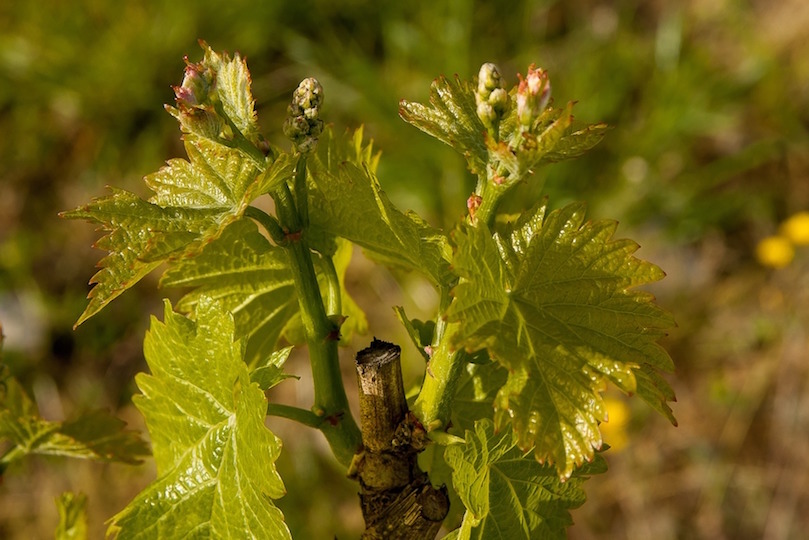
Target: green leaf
{"type": "Point", "coordinates": [476, 393]}
{"type": "Point", "coordinates": [232, 88]}
{"type": "Point", "coordinates": [95, 435]}
{"type": "Point", "coordinates": [553, 303]}
{"type": "Point", "coordinates": [72, 510]}
{"type": "Point", "coordinates": [420, 332]}
{"type": "Point", "coordinates": [576, 143]}
{"type": "Point", "coordinates": [194, 201]}
{"type": "Point", "coordinates": [215, 458]}
{"type": "Point", "coordinates": [249, 277]}
{"type": "Point", "coordinates": [507, 494]}
{"type": "Point", "coordinates": [346, 200]}
{"type": "Point", "coordinates": [451, 118]}
{"type": "Point", "coordinates": [271, 373]}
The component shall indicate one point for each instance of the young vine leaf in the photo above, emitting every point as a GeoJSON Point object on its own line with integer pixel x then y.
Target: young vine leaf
{"type": "Point", "coordinates": [215, 458]}
{"type": "Point", "coordinates": [507, 493]}
{"type": "Point", "coordinates": [195, 199]}
{"type": "Point", "coordinates": [95, 435]}
{"type": "Point", "coordinates": [552, 302]}
{"type": "Point", "coordinates": [452, 118]}
{"type": "Point", "coordinates": [477, 390]}
{"type": "Point", "coordinates": [346, 200]}
{"type": "Point", "coordinates": [72, 510]}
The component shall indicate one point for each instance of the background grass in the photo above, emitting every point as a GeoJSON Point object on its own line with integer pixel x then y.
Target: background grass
{"type": "Point", "coordinates": [709, 152]}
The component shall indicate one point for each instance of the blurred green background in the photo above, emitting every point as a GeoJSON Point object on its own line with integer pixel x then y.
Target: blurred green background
{"type": "Point", "coordinates": [708, 154]}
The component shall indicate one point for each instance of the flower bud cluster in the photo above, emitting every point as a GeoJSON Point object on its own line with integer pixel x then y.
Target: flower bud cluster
{"type": "Point", "coordinates": [303, 125]}
{"type": "Point", "coordinates": [491, 98]}
{"type": "Point", "coordinates": [533, 95]}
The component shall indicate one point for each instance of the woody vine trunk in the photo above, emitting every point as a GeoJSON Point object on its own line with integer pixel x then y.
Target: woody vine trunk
{"type": "Point", "coordinates": [398, 501]}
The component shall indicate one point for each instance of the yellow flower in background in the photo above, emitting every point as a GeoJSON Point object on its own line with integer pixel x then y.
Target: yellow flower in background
{"type": "Point", "coordinates": [613, 431]}
{"type": "Point", "coordinates": [775, 251]}
{"type": "Point", "coordinates": [796, 228]}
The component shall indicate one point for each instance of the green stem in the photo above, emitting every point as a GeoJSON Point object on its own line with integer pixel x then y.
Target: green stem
{"type": "Point", "coordinates": [334, 300]}
{"type": "Point", "coordinates": [434, 402]}
{"type": "Point", "coordinates": [491, 194]}
{"type": "Point", "coordinates": [307, 418]}
{"type": "Point", "coordinates": [331, 403]}
{"type": "Point", "coordinates": [269, 223]}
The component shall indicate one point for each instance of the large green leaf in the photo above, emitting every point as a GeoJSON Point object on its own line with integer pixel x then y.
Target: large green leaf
{"type": "Point", "coordinates": [94, 435]}
{"type": "Point", "coordinates": [249, 277]}
{"type": "Point", "coordinates": [215, 458]}
{"type": "Point", "coordinates": [507, 493]}
{"type": "Point", "coordinates": [553, 302]}
{"type": "Point", "coordinates": [346, 200]}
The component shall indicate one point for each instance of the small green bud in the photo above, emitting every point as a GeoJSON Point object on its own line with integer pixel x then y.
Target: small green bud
{"type": "Point", "coordinates": [303, 125]}
{"type": "Point", "coordinates": [491, 98]}
{"type": "Point", "coordinates": [499, 100]}
{"type": "Point", "coordinates": [488, 79]}
{"type": "Point", "coordinates": [486, 113]}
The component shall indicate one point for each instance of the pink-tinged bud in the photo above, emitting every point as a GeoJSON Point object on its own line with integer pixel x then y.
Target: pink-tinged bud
{"type": "Point", "coordinates": [196, 88]}
{"type": "Point", "coordinates": [533, 95]}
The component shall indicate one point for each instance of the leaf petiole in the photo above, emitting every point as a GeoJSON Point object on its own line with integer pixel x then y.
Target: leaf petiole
{"type": "Point", "coordinates": [302, 416]}
{"type": "Point", "coordinates": [269, 223]}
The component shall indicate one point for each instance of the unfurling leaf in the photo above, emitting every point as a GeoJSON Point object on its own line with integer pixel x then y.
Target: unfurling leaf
{"type": "Point", "coordinates": [215, 458]}
{"type": "Point", "coordinates": [553, 302]}
{"type": "Point", "coordinates": [507, 494]}
{"type": "Point", "coordinates": [215, 97]}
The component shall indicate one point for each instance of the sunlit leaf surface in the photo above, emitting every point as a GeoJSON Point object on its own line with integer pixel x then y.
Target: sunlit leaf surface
{"type": "Point", "coordinates": [215, 458]}
{"type": "Point", "coordinates": [553, 303]}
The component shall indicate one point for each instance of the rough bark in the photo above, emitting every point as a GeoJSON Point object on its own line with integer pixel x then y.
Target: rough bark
{"type": "Point", "coordinates": [398, 501]}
